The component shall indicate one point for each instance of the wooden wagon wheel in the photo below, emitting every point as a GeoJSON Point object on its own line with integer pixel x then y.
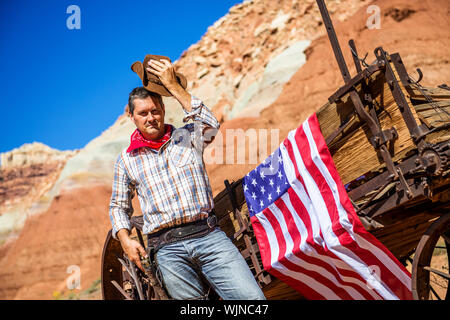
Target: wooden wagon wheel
{"type": "Point", "coordinates": [425, 275]}
{"type": "Point", "coordinates": [112, 274]}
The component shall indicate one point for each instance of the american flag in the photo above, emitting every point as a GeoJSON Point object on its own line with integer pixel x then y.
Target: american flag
{"type": "Point", "coordinates": [307, 229]}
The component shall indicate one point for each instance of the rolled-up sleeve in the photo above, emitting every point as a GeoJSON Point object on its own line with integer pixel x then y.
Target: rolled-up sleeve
{"type": "Point", "coordinates": [120, 207]}
{"type": "Point", "coordinates": [205, 125]}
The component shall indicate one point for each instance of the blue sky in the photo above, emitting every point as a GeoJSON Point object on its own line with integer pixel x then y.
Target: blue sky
{"type": "Point", "coordinates": [64, 87]}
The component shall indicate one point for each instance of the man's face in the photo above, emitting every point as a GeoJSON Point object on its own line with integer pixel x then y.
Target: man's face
{"type": "Point", "coordinates": [148, 117]}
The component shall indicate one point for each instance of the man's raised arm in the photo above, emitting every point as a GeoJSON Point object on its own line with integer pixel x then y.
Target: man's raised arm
{"type": "Point", "coordinates": [194, 109]}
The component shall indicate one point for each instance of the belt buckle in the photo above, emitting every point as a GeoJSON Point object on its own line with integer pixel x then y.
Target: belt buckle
{"type": "Point", "coordinates": [211, 221]}
{"type": "Point", "coordinates": [167, 236]}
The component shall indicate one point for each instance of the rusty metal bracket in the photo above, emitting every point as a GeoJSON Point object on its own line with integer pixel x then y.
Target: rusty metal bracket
{"type": "Point", "coordinates": [367, 95]}
{"type": "Point", "coordinates": [406, 80]}
{"type": "Point", "coordinates": [351, 85]}
{"type": "Point", "coordinates": [416, 131]}
{"type": "Point", "coordinates": [444, 86]}
{"type": "Point", "coordinates": [243, 225]}
{"type": "Point", "coordinates": [420, 73]}
{"type": "Point", "coordinates": [357, 60]}
{"type": "Point", "coordinates": [404, 184]}
{"type": "Point", "coordinates": [359, 107]}
{"type": "Point", "coordinates": [382, 137]}
{"type": "Point", "coordinates": [408, 166]}
{"type": "Point", "coordinates": [379, 137]}
{"type": "Point", "coordinates": [353, 82]}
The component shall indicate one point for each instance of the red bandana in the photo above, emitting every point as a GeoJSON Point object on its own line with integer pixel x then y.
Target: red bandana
{"type": "Point", "coordinates": [138, 140]}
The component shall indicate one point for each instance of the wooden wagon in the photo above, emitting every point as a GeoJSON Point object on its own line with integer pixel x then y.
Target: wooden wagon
{"type": "Point", "coordinates": [390, 141]}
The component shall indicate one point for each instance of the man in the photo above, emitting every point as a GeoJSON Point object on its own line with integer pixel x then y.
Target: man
{"type": "Point", "coordinates": [165, 166]}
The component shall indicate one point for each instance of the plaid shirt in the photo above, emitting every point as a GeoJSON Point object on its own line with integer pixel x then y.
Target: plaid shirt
{"type": "Point", "coordinates": [172, 185]}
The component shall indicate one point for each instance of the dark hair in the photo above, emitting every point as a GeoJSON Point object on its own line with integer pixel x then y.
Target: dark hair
{"type": "Point", "coordinates": [142, 93]}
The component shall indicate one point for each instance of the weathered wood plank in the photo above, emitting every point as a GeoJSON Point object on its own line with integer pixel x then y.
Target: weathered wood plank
{"type": "Point", "coordinates": [403, 236]}
{"type": "Point", "coordinates": [435, 114]}
{"type": "Point", "coordinates": [434, 93]}
{"type": "Point", "coordinates": [278, 290]}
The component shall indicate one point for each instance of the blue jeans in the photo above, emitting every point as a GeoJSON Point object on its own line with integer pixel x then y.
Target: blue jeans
{"type": "Point", "coordinates": [217, 259]}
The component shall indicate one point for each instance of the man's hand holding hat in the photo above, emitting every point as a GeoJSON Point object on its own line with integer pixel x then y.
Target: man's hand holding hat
{"type": "Point", "coordinates": [151, 80]}
{"type": "Point", "coordinates": [165, 72]}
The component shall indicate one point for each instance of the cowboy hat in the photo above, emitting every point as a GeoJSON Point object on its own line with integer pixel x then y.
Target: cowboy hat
{"type": "Point", "coordinates": [151, 81]}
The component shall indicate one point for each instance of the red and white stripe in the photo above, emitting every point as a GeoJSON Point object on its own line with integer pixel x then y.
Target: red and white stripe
{"type": "Point", "coordinates": [311, 237]}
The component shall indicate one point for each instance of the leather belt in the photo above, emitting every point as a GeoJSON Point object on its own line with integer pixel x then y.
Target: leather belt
{"type": "Point", "coordinates": [178, 233]}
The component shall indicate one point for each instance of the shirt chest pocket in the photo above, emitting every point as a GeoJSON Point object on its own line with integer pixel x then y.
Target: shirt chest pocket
{"type": "Point", "coordinates": [181, 156]}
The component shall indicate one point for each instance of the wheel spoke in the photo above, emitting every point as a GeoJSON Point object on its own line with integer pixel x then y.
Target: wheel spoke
{"type": "Point", "coordinates": [118, 287]}
{"type": "Point", "coordinates": [434, 292]}
{"type": "Point", "coordinates": [446, 237]}
{"type": "Point", "coordinates": [438, 272]}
